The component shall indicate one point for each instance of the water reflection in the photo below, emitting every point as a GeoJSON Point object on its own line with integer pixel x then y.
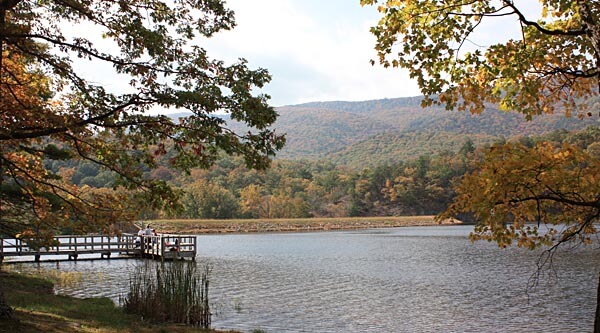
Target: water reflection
{"type": "Point", "coordinates": [387, 280]}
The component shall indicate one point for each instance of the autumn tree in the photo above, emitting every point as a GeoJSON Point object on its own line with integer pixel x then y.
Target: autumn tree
{"type": "Point", "coordinates": [533, 196]}
{"type": "Point", "coordinates": [252, 201]}
{"type": "Point", "coordinates": [207, 200]}
{"type": "Point", "coordinates": [553, 66]}
{"type": "Point", "coordinates": [51, 108]}
{"type": "Point", "coordinates": [556, 188]}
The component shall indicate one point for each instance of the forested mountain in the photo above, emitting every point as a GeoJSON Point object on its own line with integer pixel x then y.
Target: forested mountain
{"type": "Point", "coordinates": [315, 132]}
{"type": "Point", "coordinates": [388, 130]}
{"type": "Point", "coordinates": [369, 133]}
{"type": "Point", "coordinates": [402, 146]}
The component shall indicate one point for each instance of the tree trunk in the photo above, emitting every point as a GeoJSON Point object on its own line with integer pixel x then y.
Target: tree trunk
{"type": "Point", "coordinates": [5, 309]}
{"type": "Point", "coordinates": [597, 320]}
{"type": "Point", "coordinates": [593, 29]}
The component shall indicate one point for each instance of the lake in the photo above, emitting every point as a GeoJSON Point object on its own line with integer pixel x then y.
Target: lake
{"type": "Point", "coordinates": [414, 279]}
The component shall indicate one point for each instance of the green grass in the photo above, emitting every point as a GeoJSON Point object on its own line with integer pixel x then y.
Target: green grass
{"type": "Point", "coordinates": [37, 309]}
{"type": "Point", "coordinates": [33, 297]}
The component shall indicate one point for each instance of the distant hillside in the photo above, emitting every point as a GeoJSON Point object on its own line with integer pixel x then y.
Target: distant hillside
{"type": "Point", "coordinates": [314, 133]}
{"type": "Point", "coordinates": [391, 148]}
{"type": "Point", "coordinates": [365, 106]}
{"type": "Point", "coordinates": [386, 130]}
{"type": "Point", "coordinates": [359, 133]}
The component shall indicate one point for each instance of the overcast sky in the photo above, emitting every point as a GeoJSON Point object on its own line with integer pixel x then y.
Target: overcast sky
{"type": "Point", "coordinates": [315, 50]}
{"type": "Point", "coordinates": [319, 50]}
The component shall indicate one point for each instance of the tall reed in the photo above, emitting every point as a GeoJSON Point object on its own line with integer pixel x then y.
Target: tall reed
{"type": "Point", "coordinates": [170, 292]}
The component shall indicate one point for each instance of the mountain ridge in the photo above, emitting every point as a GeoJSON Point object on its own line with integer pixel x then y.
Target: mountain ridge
{"type": "Point", "coordinates": [361, 133]}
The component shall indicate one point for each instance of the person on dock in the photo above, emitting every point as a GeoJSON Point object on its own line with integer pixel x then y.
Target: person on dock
{"type": "Point", "coordinates": [174, 246]}
{"type": "Point", "coordinates": [138, 239]}
{"type": "Point", "coordinates": [155, 236]}
{"type": "Point", "coordinates": [148, 234]}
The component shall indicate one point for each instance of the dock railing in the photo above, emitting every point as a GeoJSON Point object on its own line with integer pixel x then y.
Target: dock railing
{"type": "Point", "coordinates": [166, 246]}
{"type": "Point", "coordinates": [157, 247]}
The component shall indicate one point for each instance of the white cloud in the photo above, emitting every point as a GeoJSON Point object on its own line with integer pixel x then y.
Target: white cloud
{"type": "Point", "coordinates": [314, 50]}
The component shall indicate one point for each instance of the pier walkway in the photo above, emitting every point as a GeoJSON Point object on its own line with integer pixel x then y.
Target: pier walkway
{"type": "Point", "coordinates": [161, 247]}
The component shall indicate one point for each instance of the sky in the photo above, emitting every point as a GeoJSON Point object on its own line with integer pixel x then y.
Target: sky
{"type": "Point", "coordinates": [315, 50]}
{"type": "Point", "coordinates": [320, 50]}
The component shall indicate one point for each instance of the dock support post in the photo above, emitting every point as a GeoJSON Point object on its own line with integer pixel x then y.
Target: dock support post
{"type": "Point", "coordinates": [37, 258]}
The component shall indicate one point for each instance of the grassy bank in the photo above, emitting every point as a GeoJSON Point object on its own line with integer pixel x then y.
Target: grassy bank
{"type": "Point", "coordinates": [283, 225]}
{"type": "Point", "coordinates": [37, 309]}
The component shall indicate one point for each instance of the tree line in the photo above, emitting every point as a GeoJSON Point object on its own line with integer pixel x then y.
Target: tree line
{"type": "Point", "coordinates": [308, 188]}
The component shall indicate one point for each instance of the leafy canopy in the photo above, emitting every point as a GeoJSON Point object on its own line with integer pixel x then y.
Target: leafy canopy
{"type": "Point", "coordinates": [555, 65]}
{"type": "Point", "coordinates": [50, 110]}
{"type": "Point", "coordinates": [546, 195]}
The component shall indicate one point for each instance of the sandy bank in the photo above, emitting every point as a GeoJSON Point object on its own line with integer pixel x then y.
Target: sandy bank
{"type": "Point", "coordinates": [291, 225]}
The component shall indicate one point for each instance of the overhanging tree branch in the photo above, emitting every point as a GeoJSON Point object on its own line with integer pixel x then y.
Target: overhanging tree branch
{"type": "Point", "coordinates": [551, 32]}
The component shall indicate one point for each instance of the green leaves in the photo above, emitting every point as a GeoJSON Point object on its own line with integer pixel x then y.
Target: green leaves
{"type": "Point", "coordinates": [153, 45]}
{"type": "Point", "coordinates": [554, 66]}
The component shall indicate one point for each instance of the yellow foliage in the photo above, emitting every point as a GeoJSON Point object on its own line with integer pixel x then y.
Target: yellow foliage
{"type": "Point", "coordinates": [552, 67]}
{"type": "Point", "coordinates": [529, 187]}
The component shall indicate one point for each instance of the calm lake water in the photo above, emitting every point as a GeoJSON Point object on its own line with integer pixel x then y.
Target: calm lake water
{"type": "Point", "coordinates": [422, 279]}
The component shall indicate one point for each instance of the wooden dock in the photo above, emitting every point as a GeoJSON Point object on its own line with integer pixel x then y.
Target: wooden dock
{"type": "Point", "coordinates": [160, 247]}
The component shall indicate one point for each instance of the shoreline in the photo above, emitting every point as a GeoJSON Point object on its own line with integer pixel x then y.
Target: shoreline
{"type": "Point", "coordinates": [36, 308]}
{"type": "Point", "coordinates": [292, 225]}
